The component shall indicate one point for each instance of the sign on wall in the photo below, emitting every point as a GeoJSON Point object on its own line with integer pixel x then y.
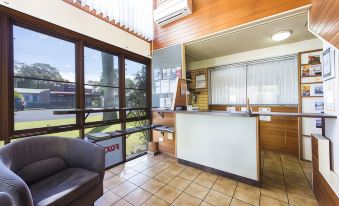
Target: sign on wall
{"type": "Point", "coordinates": [113, 150]}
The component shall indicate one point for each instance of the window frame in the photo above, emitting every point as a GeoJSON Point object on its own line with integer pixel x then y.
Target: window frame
{"type": "Point", "coordinates": [10, 17]}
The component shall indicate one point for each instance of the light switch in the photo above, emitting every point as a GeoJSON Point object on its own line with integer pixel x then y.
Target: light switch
{"type": "Point", "coordinates": [161, 139]}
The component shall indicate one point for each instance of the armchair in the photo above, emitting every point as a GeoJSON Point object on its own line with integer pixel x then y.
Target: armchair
{"type": "Point", "coordinates": [51, 171]}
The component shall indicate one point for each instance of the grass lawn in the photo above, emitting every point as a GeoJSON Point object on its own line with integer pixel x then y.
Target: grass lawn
{"type": "Point", "coordinates": [132, 143]}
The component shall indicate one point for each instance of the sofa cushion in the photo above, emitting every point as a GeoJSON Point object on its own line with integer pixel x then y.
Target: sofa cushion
{"type": "Point", "coordinates": [41, 169]}
{"type": "Point", "coordinates": [63, 187]}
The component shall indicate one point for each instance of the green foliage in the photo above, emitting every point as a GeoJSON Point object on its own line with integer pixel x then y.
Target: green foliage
{"type": "Point", "coordinates": [17, 95]}
{"type": "Point", "coordinates": [37, 70]}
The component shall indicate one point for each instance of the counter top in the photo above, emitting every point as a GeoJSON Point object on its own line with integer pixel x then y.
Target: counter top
{"type": "Point", "coordinates": [245, 114]}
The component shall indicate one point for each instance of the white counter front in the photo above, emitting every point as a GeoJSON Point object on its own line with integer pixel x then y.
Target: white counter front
{"type": "Point", "coordinates": [227, 143]}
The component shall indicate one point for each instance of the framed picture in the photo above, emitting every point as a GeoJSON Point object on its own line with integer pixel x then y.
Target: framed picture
{"type": "Point", "coordinates": [328, 72]}
{"type": "Point", "coordinates": [200, 81]}
{"type": "Point", "coordinates": [306, 90]}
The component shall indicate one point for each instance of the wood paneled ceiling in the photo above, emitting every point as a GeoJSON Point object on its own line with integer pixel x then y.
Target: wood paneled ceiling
{"type": "Point", "coordinates": [214, 16]}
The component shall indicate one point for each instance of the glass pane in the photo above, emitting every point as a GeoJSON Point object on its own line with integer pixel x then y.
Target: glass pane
{"type": "Point", "coordinates": [102, 97]}
{"type": "Point", "coordinates": [37, 55]}
{"type": "Point", "coordinates": [71, 134]}
{"type": "Point", "coordinates": [137, 143]}
{"type": "Point", "coordinates": [135, 75]}
{"type": "Point", "coordinates": [135, 98]}
{"type": "Point", "coordinates": [35, 101]}
{"type": "Point", "coordinates": [108, 128]}
{"type": "Point", "coordinates": [101, 68]}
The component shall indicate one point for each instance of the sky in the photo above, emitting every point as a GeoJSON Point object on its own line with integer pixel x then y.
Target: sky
{"type": "Point", "coordinates": [32, 47]}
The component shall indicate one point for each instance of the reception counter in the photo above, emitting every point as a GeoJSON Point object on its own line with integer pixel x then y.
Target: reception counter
{"type": "Point", "coordinates": [224, 143]}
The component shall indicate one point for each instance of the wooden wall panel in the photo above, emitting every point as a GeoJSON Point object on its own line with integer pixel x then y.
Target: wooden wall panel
{"type": "Point", "coordinates": [324, 20]}
{"type": "Point", "coordinates": [280, 134]}
{"type": "Point", "coordinates": [167, 146]}
{"type": "Point", "coordinates": [213, 16]}
{"type": "Point", "coordinates": [322, 190]}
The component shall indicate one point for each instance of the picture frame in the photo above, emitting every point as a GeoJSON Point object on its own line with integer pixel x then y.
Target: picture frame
{"type": "Point", "coordinates": [200, 81]}
{"type": "Point", "coordinates": [328, 71]}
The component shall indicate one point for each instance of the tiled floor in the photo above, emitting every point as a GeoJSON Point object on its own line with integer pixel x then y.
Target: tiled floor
{"type": "Point", "coordinates": [160, 180]}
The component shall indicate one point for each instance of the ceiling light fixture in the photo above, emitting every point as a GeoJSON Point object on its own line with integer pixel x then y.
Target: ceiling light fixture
{"type": "Point", "coordinates": [281, 35]}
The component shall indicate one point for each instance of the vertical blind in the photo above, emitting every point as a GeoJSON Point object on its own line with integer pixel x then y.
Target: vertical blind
{"type": "Point", "coordinates": [268, 81]}
{"type": "Point", "coordinates": [134, 15]}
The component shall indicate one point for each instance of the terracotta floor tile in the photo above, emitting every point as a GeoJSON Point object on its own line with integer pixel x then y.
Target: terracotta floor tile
{"type": "Point", "coordinates": [155, 201]}
{"type": "Point", "coordinates": [205, 204]}
{"type": "Point", "coordinates": [186, 200]}
{"type": "Point", "coordinates": [299, 200]}
{"type": "Point", "coordinates": [164, 177]}
{"type": "Point", "coordinates": [151, 172]}
{"type": "Point", "coordinates": [189, 174]}
{"type": "Point", "coordinates": [108, 174]}
{"type": "Point", "coordinates": [124, 189]}
{"type": "Point", "coordinates": [162, 165]}
{"type": "Point", "coordinates": [113, 182]}
{"type": "Point", "coordinates": [137, 197]}
{"type": "Point", "coordinates": [141, 167]}
{"type": "Point", "coordinates": [118, 169]}
{"type": "Point", "coordinates": [139, 179]}
{"type": "Point", "coordinates": [126, 174]}
{"type": "Point", "coordinates": [236, 202]}
{"type": "Point", "coordinates": [174, 170]}
{"type": "Point", "coordinates": [122, 202]}
{"type": "Point", "coordinates": [267, 201]}
{"type": "Point", "coordinates": [167, 193]}
{"type": "Point", "coordinates": [109, 198]}
{"type": "Point", "coordinates": [152, 186]}
{"type": "Point", "coordinates": [247, 193]}
{"type": "Point", "coordinates": [206, 179]}
{"type": "Point", "coordinates": [179, 183]}
{"type": "Point", "coordinates": [225, 186]}
{"type": "Point", "coordinates": [216, 198]}
{"type": "Point", "coordinates": [197, 191]}
{"type": "Point", "coordinates": [274, 193]}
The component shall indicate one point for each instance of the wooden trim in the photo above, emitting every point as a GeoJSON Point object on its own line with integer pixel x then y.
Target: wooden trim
{"type": "Point", "coordinates": [80, 89]}
{"type": "Point", "coordinates": [221, 173]}
{"type": "Point", "coordinates": [258, 150]}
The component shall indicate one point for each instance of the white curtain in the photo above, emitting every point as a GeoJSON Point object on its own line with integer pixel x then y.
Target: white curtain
{"type": "Point", "coordinates": [228, 85]}
{"type": "Point", "coordinates": [274, 82]}
{"type": "Point", "coordinates": [271, 81]}
{"type": "Point", "coordinates": [135, 15]}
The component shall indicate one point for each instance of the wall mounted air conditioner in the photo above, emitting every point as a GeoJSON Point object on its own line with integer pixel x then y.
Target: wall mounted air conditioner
{"type": "Point", "coordinates": [171, 10]}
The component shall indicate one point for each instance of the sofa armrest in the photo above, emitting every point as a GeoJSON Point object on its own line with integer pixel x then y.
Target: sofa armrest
{"type": "Point", "coordinates": [86, 155]}
{"type": "Point", "coordinates": [5, 199]}
{"type": "Point", "coordinates": [14, 190]}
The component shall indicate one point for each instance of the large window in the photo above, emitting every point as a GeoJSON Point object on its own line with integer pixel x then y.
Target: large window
{"type": "Point", "coordinates": [44, 79]}
{"type": "Point", "coordinates": [135, 84]}
{"type": "Point", "coordinates": [101, 84]}
{"type": "Point", "coordinates": [269, 81]}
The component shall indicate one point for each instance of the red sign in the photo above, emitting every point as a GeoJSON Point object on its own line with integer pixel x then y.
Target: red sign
{"type": "Point", "coordinates": [111, 148]}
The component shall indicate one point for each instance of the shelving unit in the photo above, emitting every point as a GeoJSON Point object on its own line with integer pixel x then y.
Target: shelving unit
{"type": "Point", "coordinates": [310, 99]}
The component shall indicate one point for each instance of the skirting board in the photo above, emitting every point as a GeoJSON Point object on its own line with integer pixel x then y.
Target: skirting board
{"type": "Point", "coordinates": [221, 173]}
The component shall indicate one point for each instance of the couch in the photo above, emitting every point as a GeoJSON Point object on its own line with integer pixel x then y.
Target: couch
{"type": "Point", "coordinates": [51, 171]}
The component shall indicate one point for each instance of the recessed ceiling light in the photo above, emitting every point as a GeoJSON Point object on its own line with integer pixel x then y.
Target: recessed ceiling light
{"type": "Point", "coordinates": [281, 35]}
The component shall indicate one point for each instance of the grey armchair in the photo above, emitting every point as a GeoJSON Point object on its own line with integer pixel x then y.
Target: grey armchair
{"type": "Point", "coordinates": [51, 171]}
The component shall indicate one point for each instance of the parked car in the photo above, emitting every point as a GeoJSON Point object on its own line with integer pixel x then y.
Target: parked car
{"type": "Point", "coordinates": [19, 104]}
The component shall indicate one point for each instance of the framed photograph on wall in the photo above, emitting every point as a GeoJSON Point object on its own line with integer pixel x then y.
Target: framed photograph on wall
{"type": "Point", "coordinates": [328, 71]}
{"type": "Point", "coordinates": [200, 81]}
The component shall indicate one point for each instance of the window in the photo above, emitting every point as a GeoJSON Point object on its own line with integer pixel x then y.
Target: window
{"type": "Point", "coordinates": [101, 84]}
{"type": "Point", "coordinates": [137, 143]}
{"type": "Point", "coordinates": [135, 84]}
{"type": "Point", "coordinates": [269, 81]}
{"type": "Point", "coordinates": [228, 85]}
{"type": "Point", "coordinates": [44, 79]}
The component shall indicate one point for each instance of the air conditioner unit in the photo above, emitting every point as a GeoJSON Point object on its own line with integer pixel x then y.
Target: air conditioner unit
{"type": "Point", "coordinates": [171, 10]}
